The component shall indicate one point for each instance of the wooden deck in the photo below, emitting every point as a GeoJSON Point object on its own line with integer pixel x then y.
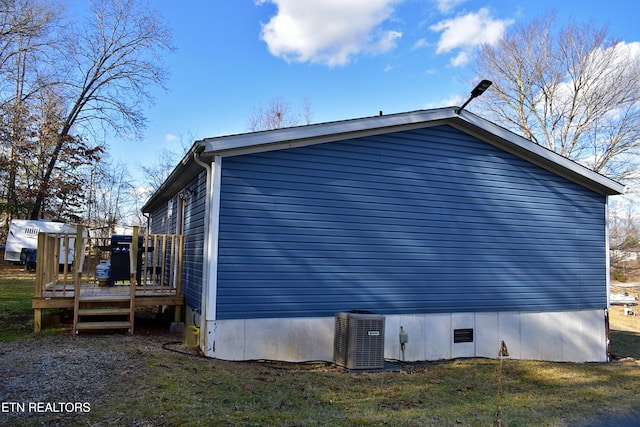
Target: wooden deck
{"type": "Point", "coordinates": [145, 296]}
{"type": "Point", "coordinates": [155, 279]}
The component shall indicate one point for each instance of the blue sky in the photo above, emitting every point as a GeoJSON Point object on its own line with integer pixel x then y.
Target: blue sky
{"type": "Point", "coordinates": [349, 58]}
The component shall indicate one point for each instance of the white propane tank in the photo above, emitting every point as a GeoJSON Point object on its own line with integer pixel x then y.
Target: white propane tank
{"type": "Point", "coordinates": [103, 270]}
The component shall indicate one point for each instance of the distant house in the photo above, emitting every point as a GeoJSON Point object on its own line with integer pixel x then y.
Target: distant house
{"type": "Point", "coordinates": [441, 222]}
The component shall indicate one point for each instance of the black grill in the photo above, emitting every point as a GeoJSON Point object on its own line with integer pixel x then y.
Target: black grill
{"type": "Point", "coordinates": [120, 264]}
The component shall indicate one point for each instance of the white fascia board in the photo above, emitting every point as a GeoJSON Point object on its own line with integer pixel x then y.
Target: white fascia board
{"type": "Point", "coordinates": [324, 132]}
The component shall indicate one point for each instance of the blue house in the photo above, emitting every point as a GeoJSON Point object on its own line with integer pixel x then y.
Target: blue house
{"type": "Point", "coordinates": [440, 221]}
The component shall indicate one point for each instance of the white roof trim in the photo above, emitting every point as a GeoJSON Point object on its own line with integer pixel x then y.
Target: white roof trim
{"type": "Point", "coordinates": [233, 145]}
{"type": "Point", "coordinates": [537, 154]}
{"type": "Point", "coordinates": [324, 132]}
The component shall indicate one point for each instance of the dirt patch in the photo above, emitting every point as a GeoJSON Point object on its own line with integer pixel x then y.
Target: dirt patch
{"type": "Point", "coordinates": [91, 369]}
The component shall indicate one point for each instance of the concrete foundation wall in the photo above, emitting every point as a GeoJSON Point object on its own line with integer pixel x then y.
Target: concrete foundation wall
{"type": "Point", "coordinates": [571, 336]}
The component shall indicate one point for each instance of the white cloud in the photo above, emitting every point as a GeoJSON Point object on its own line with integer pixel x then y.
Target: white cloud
{"type": "Point", "coordinates": [386, 42]}
{"type": "Point", "coordinates": [328, 32]}
{"type": "Point", "coordinates": [170, 137]}
{"type": "Point", "coordinates": [446, 6]}
{"type": "Point", "coordinates": [419, 44]}
{"type": "Point", "coordinates": [468, 31]}
{"type": "Point", "coordinates": [461, 59]}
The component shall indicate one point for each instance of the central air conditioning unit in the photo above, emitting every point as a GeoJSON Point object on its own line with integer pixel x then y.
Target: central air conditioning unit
{"type": "Point", "coordinates": [358, 342]}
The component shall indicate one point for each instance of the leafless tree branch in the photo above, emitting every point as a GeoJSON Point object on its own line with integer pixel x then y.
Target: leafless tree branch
{"type": "Point", "coordinates": [572, 89]}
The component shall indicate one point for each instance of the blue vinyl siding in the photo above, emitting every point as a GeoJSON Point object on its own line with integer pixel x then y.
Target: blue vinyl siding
{"type": "Point", "coordinates": [159, 220]}
{"type": "Point", "coordinates": [193, 244]}
{"type": "Point", "coordinates": [194, 214]}
{"type": "Point", "coordinates": [422, 221]}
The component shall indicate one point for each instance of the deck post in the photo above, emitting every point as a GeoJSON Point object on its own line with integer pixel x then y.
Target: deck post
{"type": "Point", "coordinates": [133, 256]}
{"type": "Point", "coordinates": [50, 258]}
{"type": "Point", "coordinates": [37, 320]}
{"type": "Point", "coordinates": [78, 259]}
{"type": "Point", "coordinates": [133, 259]}
{"type": "Point", "coordinates": [78, 255]}
{"type": "Point", "coordinates": [76, 278]}
{"type": "Point", "coordinates": [39, 291]}
{"type": "Point", "coordinates": [40, 267]}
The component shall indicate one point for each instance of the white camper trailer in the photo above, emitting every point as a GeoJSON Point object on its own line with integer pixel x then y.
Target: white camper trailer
{"type": "Point", "coordinates": [23, 234]}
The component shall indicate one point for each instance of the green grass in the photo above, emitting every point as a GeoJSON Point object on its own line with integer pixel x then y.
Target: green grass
{"type": "Point", "coordinates": [170, 389]}
{"type": "Point", "coordinates": [16, 315]}
{"type": "Point", "coordinates": [625, 344]}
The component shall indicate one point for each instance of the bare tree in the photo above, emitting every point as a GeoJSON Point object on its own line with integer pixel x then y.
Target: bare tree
{"type": "Point", "coordinates": [307, 110]}
{"type": "Point", "coordinates": [65, 195]}
{"type": "Point", "coordinates": [114, 59]}
{"type": "Point", "coordinates": [109, 196]}
{"type": "Point", "coordinates": [572, 89]}
{"type": "Point", "coordinates": [277, 114]}
{"type": "Point", "coordinates": [26, 29]}
{"type": "Point", "coordinates": [157, 172]}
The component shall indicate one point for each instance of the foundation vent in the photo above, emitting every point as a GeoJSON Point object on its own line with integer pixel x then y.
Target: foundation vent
{"type": "Point", "coordinates": [463, 335]}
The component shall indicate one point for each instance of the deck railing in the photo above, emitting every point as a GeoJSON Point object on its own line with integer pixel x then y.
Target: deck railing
{"type": "Point", "coordinates": [65, 261]}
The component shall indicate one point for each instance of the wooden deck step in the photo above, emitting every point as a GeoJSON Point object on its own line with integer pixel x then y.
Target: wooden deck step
{"type": "Point", "coordinates": [105, 298]}
{"type": "Point", "coordinates": [116, 311]}
{"type": "Point", "coordinates": [103, 311]}
{"type": "Point", "coordinates": [124, 324]}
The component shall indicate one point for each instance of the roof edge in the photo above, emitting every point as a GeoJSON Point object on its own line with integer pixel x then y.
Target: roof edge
{"type": "Point", "coordinates": [187, 168]}
{"type": "Point", "coordinates": [538, 154]}
{"type": "Point", "coordinates": [320, 132]}
{"type": "Point", "coordinates": [297, 136]}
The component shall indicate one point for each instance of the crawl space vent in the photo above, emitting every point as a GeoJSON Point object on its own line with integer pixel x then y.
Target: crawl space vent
{"type": "Point", "coordinates": [463, 335]}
